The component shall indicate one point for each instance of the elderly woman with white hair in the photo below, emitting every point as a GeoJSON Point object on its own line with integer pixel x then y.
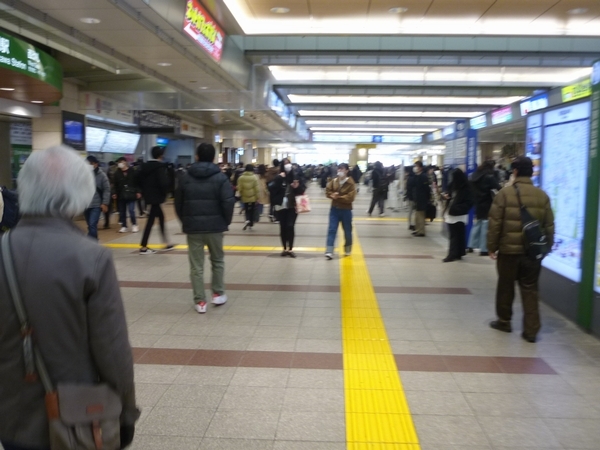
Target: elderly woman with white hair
{"type": "Point", "coordinates": [71, 295]}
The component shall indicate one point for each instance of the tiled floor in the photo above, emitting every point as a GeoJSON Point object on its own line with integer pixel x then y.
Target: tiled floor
{"type": "Point", "coordinates": [265, 370]}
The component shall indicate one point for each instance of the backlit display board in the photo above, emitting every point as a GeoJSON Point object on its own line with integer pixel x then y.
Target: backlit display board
{"type": "Point", "coordinates": [502, 115]}
{"type": "Point", "coordinates": [202, 28]}
{"type": "Point", "coordinates": [564, 163]}
{"type": "Point", "coordinates": [534, 104]}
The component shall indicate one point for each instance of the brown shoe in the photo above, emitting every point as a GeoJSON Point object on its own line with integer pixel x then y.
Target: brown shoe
{"type": "Point", "coordinates": [501, 325]}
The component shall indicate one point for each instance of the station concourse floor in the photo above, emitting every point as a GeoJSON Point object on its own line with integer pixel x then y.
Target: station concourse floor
{"type": "Point", "coordinates": [386, 349]}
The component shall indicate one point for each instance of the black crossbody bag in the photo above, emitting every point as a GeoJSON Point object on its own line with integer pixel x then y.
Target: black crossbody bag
{"type": "Point", "coordinates": [535, 240]}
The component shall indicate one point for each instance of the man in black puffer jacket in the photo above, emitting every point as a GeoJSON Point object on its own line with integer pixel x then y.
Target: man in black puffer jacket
{"type": "Point", "coordinates": [204, 203]}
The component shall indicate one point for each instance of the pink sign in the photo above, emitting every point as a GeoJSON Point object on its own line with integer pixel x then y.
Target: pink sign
{"type": "Point", "coordinates": [502, 115]}
{"type": "Point", "coordinates": [203, 29]}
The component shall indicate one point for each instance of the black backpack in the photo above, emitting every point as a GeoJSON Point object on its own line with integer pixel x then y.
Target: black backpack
{"type": "Point", "coordinates": [11, 215]}
{"type": "Point", "coordinates": [535, 240]}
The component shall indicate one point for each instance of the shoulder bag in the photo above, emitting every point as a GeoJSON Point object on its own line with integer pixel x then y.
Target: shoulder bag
{"type": "Point", "coordinates": [535, 240]}
{"type": "Point", "coordinates": [80, 416]}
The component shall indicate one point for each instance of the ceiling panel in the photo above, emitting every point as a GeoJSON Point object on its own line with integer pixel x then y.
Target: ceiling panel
{"type": "Point", "coordinates": [458, 8]}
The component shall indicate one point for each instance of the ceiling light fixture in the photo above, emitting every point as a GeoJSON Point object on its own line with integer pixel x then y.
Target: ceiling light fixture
{"type": "Point", "coordinates": [164, 64]}
{"type": "Point", "coordinates": [280, 10]}
{"type": "Point", "coordinates": [204, 88]}
{"type": "Point", "coordinates": [577, 11]}
{"type": "Point", "coordinates": [90, 20]}
{"type": "Point", "coordinates": [401, 100]}
{"type": "Point", "coordinates": [398, 10]}
{"type": "Point", "coordinates": [37, 101]}
{"type": "Point", "coordinates": [7, 89]}
{"type": "Point", "coordinates": [428, 114]}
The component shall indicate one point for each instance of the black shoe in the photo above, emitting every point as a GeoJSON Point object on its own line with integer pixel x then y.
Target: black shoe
{"type": "Point", "coordinates": [418, 235]}
{"type": "Point", "coordinates": [470, 250]}
{"type": "Point", "coordinates": [291, 254]}
{"type": "Point", "coordinates": [246, 225]}
{"type": "Point", "coordinates": [531, 339]}
{"type": "Point", "coordinates": [284, 253]}
{"type": "Point", "coordinates": [501, 325]}
{"type": "Point", "coordinates": [448, 259]}
{"type": "Point", "coordinates": [484, 254]}
{"type": "Point", "coordinates": [412, 228]}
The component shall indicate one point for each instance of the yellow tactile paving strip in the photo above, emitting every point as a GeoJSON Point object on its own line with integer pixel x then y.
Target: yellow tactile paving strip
{"type": "Point", "coordinates": [232, 248]}
{"type": "Point", "coordinates": [377, 413]}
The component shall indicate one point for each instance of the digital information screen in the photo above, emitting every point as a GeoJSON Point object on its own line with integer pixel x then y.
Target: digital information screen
{"type": "Point", "coordinates": [533, 146]}
{"type": "Point", "coordinates": [120, 142]}
{"type": "Point", "coordinates": [94, 139]}
{"type": "Point", "coordinates": [566, 140]}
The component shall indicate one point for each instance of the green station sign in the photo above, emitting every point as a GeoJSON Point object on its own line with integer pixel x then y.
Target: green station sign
{"type": "Point", "coordinates": [24, 58]}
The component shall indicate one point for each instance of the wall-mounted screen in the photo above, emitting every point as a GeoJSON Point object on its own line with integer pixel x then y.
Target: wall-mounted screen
{"type": "Point", "coordinates": [534, 104]}
{"type": "Point", "coordinates": [73, 130]}
{"type": "Point", "coordinates": [566, 141]}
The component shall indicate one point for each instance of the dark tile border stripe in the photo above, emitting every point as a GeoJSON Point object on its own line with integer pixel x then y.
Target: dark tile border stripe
{"type": "Point", "coordinates": [296, 288]}
{"type": "Point", "coordinates": [334, 361]}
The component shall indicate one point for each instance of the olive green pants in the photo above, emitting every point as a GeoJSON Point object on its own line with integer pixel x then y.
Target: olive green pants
{"type": "Point", "coordinates": [196, 244]}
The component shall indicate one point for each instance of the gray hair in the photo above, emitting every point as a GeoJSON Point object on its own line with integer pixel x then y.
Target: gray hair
{"type": "Point", "coordinates": [55, 182]}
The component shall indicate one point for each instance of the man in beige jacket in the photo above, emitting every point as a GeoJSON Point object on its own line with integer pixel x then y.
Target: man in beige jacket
{"type": "Point", "coordinates": [505, 245]}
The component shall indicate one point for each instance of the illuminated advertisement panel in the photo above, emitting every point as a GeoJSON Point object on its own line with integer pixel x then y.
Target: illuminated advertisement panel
{"type": "Point", "coordinates": [566, 143]}
{"type": "Point", "coordinates": [203, 29]}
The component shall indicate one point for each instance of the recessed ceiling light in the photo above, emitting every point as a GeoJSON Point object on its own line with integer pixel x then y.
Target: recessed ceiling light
{"type": "Point", "coordinates": [164, 64]}
{"type": "Point", "coordinates": [204, 87]}
{"type": "Point", "coordinates": [90, 20]}
{"type": "Point", "coordinates": [398, 10]}
{"type": "Point", "coordinates": [577, 11]}
{"type": "Point", "coordinates": [37, 101]}
{"type": "Point", "coordinates": [193, 81]}
{"type": "Point", "coordinates": [7, 89]}
{"type": "Point", "coordinates": [280, 10]}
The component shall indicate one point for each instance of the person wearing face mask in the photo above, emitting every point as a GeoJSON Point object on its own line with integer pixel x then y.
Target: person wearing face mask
{"type": "Point", "coordinates": [342, 192]}
{"type": "Point", "coordinates": [286, 186]}
{"type": "Point", "coordinates": [421, 196]}
{"type": "Point", "coordinates": [126, 192]}
{"type": "Point", "coordinates": [101, 198]}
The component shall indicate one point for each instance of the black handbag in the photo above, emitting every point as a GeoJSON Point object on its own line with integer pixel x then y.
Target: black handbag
{"type": "Point", "coordinates": [535, 240]}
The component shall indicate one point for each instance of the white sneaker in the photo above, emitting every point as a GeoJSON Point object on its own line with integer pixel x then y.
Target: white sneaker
{"type": "Point", "coordinates": [329, 256]}
{"type": "Point", "coordinates": [123, 230]}
{"type": "Point", "coordinates": [135, 229]}
{"type": "Point", "coordinates": [200, 307]}
{"type": "Point", "coordinates": [382, 215]}
{"type": "Point", "coordinates": [219, 299]}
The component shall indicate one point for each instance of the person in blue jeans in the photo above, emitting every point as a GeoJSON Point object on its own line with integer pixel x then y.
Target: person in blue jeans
{"type": "Point", "coordinates": [484, 186]}
{"type": "Point", "coordinates": [101, 198]}
{"type": "Point", "coordinates": [342, 191]}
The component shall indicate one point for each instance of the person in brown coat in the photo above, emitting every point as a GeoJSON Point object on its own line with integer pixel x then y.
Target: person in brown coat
{"type": "Point", "coordinates": [505, 245]}
{"type": "Point", "coordinates": [342, 190]}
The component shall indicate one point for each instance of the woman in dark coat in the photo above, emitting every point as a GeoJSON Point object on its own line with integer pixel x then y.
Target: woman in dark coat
{"type": "Point", "coordinates": [484, 185]}
{"type": "Point", "coordinates": [286, 186]}
{"type": "Point", "coordinates": [456, 214]}
{"type": "Point", "coordinates": [380, 186]}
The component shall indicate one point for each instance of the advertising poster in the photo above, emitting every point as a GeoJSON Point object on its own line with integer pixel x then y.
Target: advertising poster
{"type": "Point", "coordinates": [533, 146]}
{"type": "Point", "coordinates": [203, 29]}
{"type": "Point", "coordinates": [564, 168]}
{"type": "Point", "coordinates": [595, 148]}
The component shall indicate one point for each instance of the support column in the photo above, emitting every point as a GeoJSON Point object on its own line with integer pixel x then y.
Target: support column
{"type": "Point", "coordinates": [5, 155]}
{"type": "Point", "coordinates": [360, 156]}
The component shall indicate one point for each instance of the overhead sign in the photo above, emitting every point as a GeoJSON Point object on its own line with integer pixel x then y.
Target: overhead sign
{"type": "Point", "coordinates": [19, 56]}
{"type": "Point", "coordinates": [102, 108]}
{"type": "Point", "coordinates": [577, 91]}
{"type": "Point", "coordinates": [20, 134]}
{"type": "Point", "coordinates": [478, 122]}
{"type": "Point", "coordinates": [152, 119]}
{"type": "Point", "coordinates": [190, 129]}
{"type": "Point", "coordinates": [534, 104]}
{"type": "Point", "coordinates": [203, 29]}
{"type": "Point", "coordinates": [502, 115]}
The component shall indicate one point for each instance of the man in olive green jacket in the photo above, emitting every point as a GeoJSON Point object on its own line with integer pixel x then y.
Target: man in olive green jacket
{"type": "Point", "coordinates": [505, 244]}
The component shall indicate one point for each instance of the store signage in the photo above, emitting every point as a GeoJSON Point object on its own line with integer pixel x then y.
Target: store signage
{"type": "Point", "coordinates": [102, 108]}
{"type": "Point", "coordinates": [438, 135]}
{"type": "Point", "coordinates": [21, 57]}
{"type": "Point", "coordinates": [20, 134]}
{"type": "Point", "coordinates": [190, 129]}
{"type": "Point", "coordinates": [577, 91]}
{"type": "Point", "coordinates": [534, 104]}
{"type": "Point", "coordinates": [377, 139]}
{"type": "Point", "coordinates": [203, 29]}
{"type": "Point", "coordinates": [502, 115]}
{"type": "Point", "coordinates": [478, 122]}
{"type": "Point", "coordinates": [152, 119]}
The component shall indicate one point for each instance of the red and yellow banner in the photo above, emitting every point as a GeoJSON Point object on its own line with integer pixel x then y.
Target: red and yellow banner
{"type": "Point", "coordinates": [203, 29]}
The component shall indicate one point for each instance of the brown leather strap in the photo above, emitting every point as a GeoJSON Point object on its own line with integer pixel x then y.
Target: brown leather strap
{"type": "Point", "coordinates": [52, 410]}
{"type": "Point", "coordinates": [97, 432]}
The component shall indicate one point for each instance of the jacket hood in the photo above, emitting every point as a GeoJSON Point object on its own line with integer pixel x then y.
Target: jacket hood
{"type": "Point", "coordinates": [203, 170]}
{"type": "Point", "coordinates": [151, 166]}
{"type": "Point", "coordinates": [478, 175]}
